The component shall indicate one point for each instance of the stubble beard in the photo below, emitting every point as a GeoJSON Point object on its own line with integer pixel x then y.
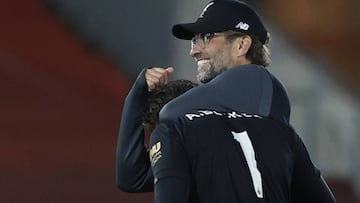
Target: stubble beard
{"type": "Point", "coordinates": [217, 66]}
{"type": "Point", "coordinates": [209, 74]}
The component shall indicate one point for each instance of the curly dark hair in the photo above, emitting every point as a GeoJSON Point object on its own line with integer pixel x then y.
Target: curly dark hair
{"type": "Point", "coordinates": [161, 95]}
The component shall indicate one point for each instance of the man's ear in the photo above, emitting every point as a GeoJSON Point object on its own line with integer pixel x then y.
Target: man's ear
{"type": "Point", "coordinates": [244, 43]}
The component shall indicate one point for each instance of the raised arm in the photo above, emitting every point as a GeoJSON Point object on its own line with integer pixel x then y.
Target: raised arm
{"type": "Point", "coordinates": [133, 171]}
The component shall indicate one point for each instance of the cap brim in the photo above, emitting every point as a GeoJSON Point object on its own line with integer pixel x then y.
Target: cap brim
{"type": "Point", "coordinates": [187, 31]}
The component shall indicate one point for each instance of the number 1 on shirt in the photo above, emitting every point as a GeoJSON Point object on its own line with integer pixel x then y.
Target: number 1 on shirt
{"type": "Point", "coordinates": [249, 153]}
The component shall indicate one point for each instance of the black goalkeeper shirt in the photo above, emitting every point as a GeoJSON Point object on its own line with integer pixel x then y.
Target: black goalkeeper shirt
{"type": "Point", "coordinates": [210, 157]}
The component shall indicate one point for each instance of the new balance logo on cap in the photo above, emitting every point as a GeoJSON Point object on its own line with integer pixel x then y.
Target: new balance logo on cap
{"type": "Point", "coordinates": [242, 26]}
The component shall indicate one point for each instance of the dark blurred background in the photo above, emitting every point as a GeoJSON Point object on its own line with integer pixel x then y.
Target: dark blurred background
{"type": "Point", "coordinates": [66, 67]}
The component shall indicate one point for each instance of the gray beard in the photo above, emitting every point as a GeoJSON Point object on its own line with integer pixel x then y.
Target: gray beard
{"type": "Point", "coordinates": [210, 74]}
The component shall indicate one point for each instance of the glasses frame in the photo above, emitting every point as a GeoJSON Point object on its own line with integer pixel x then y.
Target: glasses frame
{"type": "Point", "coordinates": [202, 39]}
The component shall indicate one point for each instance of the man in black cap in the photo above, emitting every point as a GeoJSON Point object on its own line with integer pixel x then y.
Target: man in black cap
{"type": "Point", "coordinates": [229, 140]}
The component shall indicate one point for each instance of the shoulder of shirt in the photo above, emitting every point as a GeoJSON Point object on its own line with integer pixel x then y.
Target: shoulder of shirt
{"type": "Point", "coordinates": [188, 102]}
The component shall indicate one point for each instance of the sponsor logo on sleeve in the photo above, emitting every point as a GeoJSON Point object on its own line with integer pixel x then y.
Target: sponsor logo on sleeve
{"type": "Point", "coordinates": [155, 153]}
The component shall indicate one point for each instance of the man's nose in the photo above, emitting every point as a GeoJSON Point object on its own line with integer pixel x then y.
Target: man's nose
{"type": "Point", "coordinates": [195, 49]}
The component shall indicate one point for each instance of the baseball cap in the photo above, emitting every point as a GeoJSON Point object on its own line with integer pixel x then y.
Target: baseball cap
{"type": "Point", "coordinates": [224, 15]}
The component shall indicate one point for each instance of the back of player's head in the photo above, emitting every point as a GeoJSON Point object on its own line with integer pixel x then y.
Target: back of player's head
{"type": "Point", "coordinates": [162, 95]}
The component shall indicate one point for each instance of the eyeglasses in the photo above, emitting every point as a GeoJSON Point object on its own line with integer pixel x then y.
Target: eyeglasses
{"type": "Point", "coordinates": [203, 39]}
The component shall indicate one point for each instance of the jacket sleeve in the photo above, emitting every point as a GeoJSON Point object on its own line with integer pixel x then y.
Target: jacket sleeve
{"type": "Point", "coordinates": [171, 168]}
{"type": "Point", "coordinates": [308, 185]}
{"type": "Point", "coordinates": [133, 169]}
